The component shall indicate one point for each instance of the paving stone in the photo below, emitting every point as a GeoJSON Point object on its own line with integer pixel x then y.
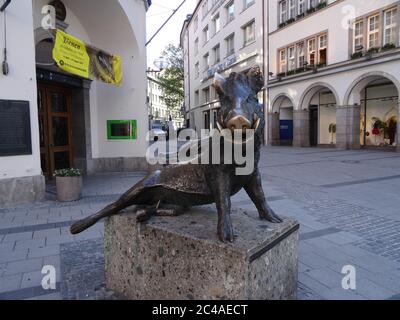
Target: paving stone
{"type": "Point", "coordinates": [10, 283]}
{"type": "Point", "coordinates": [29, 244]}
{"type": "Point", "coordinates": [44, 252]}
{"type": "Point", "coordinates": [22, 266]}
{"type": "Point", "coordinates": [373, 291]}
{"type": "Point", "coordinates": [315, 261]}
{"type": "Point", "coordinates": [326, 276]}
{"type": "Point", "coordinates": [14, 255]}
{"type": "Point", "coordinates": [32, 279]}
{"type": "Point", "coordinates": [47, 233]}
{"type": "Point", "coordinates": [341, 294]}
{"type": "Point", "coordinates": [18, 236]}
{"type": "Point", "coordinates": [60, 240]}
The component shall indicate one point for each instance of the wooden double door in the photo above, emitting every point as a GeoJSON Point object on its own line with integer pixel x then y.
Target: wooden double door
{"type": "Point", "coordinates": [54, 109]}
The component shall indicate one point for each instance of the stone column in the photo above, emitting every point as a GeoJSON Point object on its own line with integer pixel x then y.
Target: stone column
{"type": "Point", "coordinates": [348, 127]}
{"type": "Point", "coordinates": [301, 128]}
{"type": "Point", "coordinates": [273, 129]}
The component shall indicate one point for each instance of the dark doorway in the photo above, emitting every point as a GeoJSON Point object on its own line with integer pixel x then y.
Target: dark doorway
{"type": "Point", "coordinates": [54, 110]}
{"type": "Point", "coordinates": [313, 125]}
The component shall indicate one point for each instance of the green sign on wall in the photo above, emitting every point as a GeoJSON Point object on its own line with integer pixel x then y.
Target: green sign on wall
{"type": "Point", "coordinates": [122, 129]}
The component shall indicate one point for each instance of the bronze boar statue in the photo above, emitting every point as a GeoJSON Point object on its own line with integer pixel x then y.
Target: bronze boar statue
{"type": "Point", "coordinates": [178, 187]}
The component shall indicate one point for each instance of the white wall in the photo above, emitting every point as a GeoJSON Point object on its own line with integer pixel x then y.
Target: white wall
{"type": "Point", "coordinates": [20, 84]}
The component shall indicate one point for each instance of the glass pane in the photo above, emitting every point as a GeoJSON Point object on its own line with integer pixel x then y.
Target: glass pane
{"type": "Point", "coordinates": [40, 100]}
{"type": "Point", "coordinates": [61, 160]}
{"type": "Point", "coordinates": [43, 162]}
{"type": "Point", "coordinates": [58, 102]}
{"type": "Point", "coordinates": [60, 131]}
{"type": "Point", "coordinates": [41, 132]}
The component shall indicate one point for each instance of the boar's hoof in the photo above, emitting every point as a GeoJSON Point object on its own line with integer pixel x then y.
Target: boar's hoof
{"type": "Point", "coordinates": [271, 216]}
{"type": "Point", "coordinates": [225, 231]}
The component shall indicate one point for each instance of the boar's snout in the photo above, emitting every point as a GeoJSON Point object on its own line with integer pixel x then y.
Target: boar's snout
{"type": "Point", "coordinates": [238, 122]}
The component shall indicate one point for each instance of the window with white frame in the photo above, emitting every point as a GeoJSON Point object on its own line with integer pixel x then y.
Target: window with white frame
{"type": "Point", "coordinates": [249, 33]}
{"type": "Point", "coordinates": [217, 54]}
{"type": "Point", "coordinates": [390, 26]}
{"type": "Point", "coordinates": [206, 61]}
{"type": "Point", "coordinates": [373, 31]}
{"type": "Point", "coordinates": [196, 98]}
{"type": "Point", "coordinates": [196, 70]}
{"type": "Point", "coordinates": [302, 6]}
{"type": "Point", "coordinates": [230, 11]}
{"type": "Point", "coordinates": [248, 3]}
{"type": "Point", "coordinates": [291, 58]}
{"type": "Point", "coordinates": [217, 23]}
{"type": "Point", "coordinates": [312, 46]}
{"type": "Point", "coordinates": [292, 9]}
{"type": "Point", "coordinates": [301, 59]}
{"type": "Point", "coordinates": [196, 23]}
{"type": "Point", "coordinates": [230, 45]}
{"type": "Point", "coordinates": [283, 11]}
{"type": "Point", "coordinates": [282, 61]}
{"type": "Point", "coordinates": [196, 46]}
{"type": "Point", "coordinates": [322, 49]}
{"type": "Point", "coordinates": [204, 8]}
{"type": "Point", "coordinates": [206, 34]}
{"type": "Point", "coordinates": [358, 36]}
{"type": "Point", "coordinates": [206, 95]}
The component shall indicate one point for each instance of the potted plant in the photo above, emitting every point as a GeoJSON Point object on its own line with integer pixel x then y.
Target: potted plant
{"type": "Point", "coordinates": [388, 46]}
{"type": "Point", "coordinates": [69, 184]}
{"type": "Point", "coordinates": [357, 55]}
{"type": "Point", "coordinates": [332, 131]}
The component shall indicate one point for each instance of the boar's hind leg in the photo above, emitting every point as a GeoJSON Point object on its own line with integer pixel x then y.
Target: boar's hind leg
{"type": "Point", "coordinates": [145, 213]}
{"type": "Point", "coordinates": [255, 191]}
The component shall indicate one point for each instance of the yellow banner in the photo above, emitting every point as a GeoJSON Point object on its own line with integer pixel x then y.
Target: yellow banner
{"type": "Point", "coordinates": [74, 56]}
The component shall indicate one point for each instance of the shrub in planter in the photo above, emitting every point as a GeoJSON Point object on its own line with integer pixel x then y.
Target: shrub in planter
{"type": "Point", "coordinates": [281, 25]}
{"type": "Point", "coordinates": [69, 184]}
{"type": "Point", "coordinates": [311, 10]}
{"type": "Point", "coordinates": [357, 55]}
{"type": "Point", "coordinates": [301, 15]}
{"type": "Point", "coordinates": [388, 46]}
{"type": "Point", "coordinates": [281, 75]}
{"type": "Point", "coordinates": [290, 21]}
{"type": "Point", "coordinates": [321, 65]}
{"type": "Point", "coordinates": [291, 72]}
{"type": "Point", "coordinates": [373, 50]}
{"type": "Point", "coordinates": [321, 5]}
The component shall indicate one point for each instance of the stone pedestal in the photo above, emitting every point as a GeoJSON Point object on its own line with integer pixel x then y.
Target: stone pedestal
{"type": "Point", "coordinates": [301, 128]}
{"type": "Point", "coordinates": [181, 258]}
{"type": "Point", "coordinates": [348, 127]}
{"type": "Point", "coordinates": [273, 129]}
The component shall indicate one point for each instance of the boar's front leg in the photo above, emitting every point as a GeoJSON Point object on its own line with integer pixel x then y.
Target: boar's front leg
{"type": "Point", "coordinates": [221, 188]}
{"type": "Point", "coordinates": [256, 193]}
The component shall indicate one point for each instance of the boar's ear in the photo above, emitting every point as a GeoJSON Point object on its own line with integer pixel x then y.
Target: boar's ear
{"type": "Point", "coordinates": [219, 83]}
{"type": "Point", "coordinates": [256, 79]}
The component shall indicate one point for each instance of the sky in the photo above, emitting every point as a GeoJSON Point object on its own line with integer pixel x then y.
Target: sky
{"type": "Point", "coordinates": [159, 11]}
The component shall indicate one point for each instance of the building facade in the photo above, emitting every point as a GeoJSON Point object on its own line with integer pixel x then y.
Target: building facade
{"type": "Point", "coordinates": [331, 68]}
{"type": "Point", "coordinates": [158, 110]}
{"type": "Point", "coordinates": [220, 36]}
{"type": "Point", "coordinates": [53, 120]}
{"type": "Point", "coordinates": [336, 73]}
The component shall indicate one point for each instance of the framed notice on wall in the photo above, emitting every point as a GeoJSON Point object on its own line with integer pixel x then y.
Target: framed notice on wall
{"type": "Point", "coordinates": [122, 129]}
{"type": "Point", "coordinates": [15, 128]}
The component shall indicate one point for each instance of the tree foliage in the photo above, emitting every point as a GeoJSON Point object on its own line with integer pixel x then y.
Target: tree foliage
{"type": "Point", "coordinates": [172, 79]}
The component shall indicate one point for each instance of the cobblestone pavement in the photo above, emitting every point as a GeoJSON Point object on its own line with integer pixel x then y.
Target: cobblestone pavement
{"type": "Point", "coordinates": [346, 201]}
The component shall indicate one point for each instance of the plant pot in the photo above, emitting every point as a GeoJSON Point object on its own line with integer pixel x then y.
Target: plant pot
{"type": "Point", "coordinates": [69, 188]}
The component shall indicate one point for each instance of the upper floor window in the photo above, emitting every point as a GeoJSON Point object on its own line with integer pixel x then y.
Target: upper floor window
{"type": "Point", "coordinates": [373, 31]}
{"type": "Point", "coordinates": [358, 34]}
{"type": "Point", "coordinates": [390, 26]}
{"type": "Point", "coordinates": [249, 33]}
{"type": "Point", "coordinates": [230, 11]}
{"type": "Point", "coordinates": [206, 59]}
{"type": "Point", "coordinates": [217, 23]}
{"type": "Point", "coordinates": [206, 95]}
{"type": "Point", "coordinates": [301, 59]}
{"type": "Point", "coordinates": [196, 46]}
{"type": "Point", "coordinates": [302, 6]}
{"type": "Point", "coordinates": [196, 98]}
{"type": "Point", "coordinates": [204, 8]}
{"type": "Point", "coordinates": [312, 61]}
{"type": "Point", "coordinates": [282, 61]}
{"type": "Point", "coordinates": [283, 11]}
{"type": "Point", "coordinates": [196, 23]}
{"type": "Point", "coordinates": [230, 45]}
{"type": "Point", "coordinates": [248, 3]}
{"type": "Point", "coordinates": [196, 70]}
{"type": "Point", "coordinates": [217, 54]}
{"type": "Point", "coordinates": [292, 9]}
{"type": "Point", "coordinates": [206, 34]}
{"type": "Point", "coordinates": [291, 58]}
